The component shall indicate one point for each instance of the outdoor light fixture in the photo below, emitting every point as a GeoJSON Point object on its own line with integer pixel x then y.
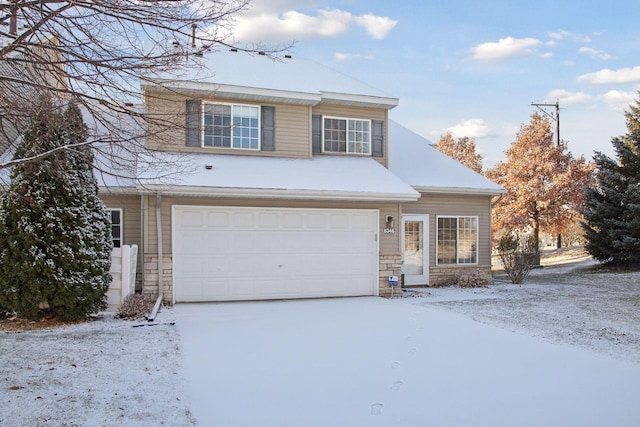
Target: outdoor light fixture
{"type": "Point", "coordinates": [389, 220]}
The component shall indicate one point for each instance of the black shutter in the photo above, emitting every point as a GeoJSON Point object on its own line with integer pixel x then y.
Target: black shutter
{"type": "Point", "coordinates": [316, 133]}
{"type": "Point", "coordinates": [377, 138]}
{"type": "Point", "coordinates": [268, 124]}
{"type": "Point", "coordinates": [193, 119]}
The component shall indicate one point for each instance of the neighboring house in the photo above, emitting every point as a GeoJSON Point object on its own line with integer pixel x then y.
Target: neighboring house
{"type": "Point", "coordinates": [22, 71]}
{"type": "Point", "coordinates": [298, 186]}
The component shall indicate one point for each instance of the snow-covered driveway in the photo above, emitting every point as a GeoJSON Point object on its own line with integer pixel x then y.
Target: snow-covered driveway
{"type": "Point", "coordinates": [379, 362]}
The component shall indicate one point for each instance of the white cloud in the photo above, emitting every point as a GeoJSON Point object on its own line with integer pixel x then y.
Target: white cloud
{"type": "Point", "coordinates": [594, 53]}
{"type": "Point", "coordinates": [280, 23]}
{"type": "Point", "coordinates": [547, 55]}
{"type": "Point", "coordinates": [504, 48]}
{"type": "Point", "coordinates": [607, 76]}
{"type": "Point", "coordinates": [378, 27]}
{"type": "Point", "coordinates": [347, 56]}
{"type": "Point", "coordinates": [619, 100]}
{"type": "Point", "coordinates": [566, 97]}
{"type": "Point", "coordinates": [562, 34]}
{"type": "Point", "coordinates": [291, 25]}
{"type": "Point", "coordinates": [472, 128]}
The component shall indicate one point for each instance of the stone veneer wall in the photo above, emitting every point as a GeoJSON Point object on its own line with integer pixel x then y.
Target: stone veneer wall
{"type": "Point", "coordinates": [445, 275]}
{"type": "Point", "coordinates": [150, 285]}
{"type": "Point", "coordinates": [390, 265]}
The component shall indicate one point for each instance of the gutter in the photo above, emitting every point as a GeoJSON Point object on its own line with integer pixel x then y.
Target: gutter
{"type": "Point", "coordinates": [151, 316]}
{"type": "Point", "coordinates": [261, 193]}
{"type": "Point", "coordinates": [493, 204]}
{"type": "Point", "coordinates": [469, 191]}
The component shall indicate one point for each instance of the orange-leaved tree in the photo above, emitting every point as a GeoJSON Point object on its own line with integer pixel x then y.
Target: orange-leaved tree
{"type": "Point", "coordinates": [544, 182]}
{"type": "Point", "coordinates": [462, 149]}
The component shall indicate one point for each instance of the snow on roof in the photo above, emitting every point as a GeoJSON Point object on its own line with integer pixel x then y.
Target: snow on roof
{"type": "Point", "coordinates": [299, 75]}
{"type": "Point", "coordinates": [414, 160]}
{"type": "Point", "coordinates": [322, 177]}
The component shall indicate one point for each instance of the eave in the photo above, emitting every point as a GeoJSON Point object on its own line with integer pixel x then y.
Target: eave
{"type": "Point", "coordinates": [460, 191]}
{"type": "Point", "coordinates": [253, 94]}
{"type": "Point", "coordinates": [281, 194]}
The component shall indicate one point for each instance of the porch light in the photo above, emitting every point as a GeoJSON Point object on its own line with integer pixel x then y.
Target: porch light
{"type": "Point", "coordinates": [389, 220]}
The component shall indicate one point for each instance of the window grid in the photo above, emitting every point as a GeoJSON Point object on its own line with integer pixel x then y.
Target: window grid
{"type": "Point", "coordinates": [347, 135]}
{"type": "Point", "coordinates": [231, 126]}
{"type": "Point", "coordinates": [457, 240]}
{"type": "Point", "coordinates": [115, 217]}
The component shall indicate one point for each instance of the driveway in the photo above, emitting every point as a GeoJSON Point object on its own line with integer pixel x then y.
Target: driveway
{"type": "Point", "coordinates": [379, 362]}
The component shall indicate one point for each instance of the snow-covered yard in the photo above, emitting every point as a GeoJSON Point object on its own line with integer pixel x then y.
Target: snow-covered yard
{"type": "Point", "coordinates": [564, 349]}
{"type": "Point", "coordinates": [103, 373]}
{"type": "Point", "coordinates": [574, 304]}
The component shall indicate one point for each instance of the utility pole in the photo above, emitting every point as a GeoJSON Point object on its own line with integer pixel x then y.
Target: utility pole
{"type": "Point", "coordinates": [556, 118]}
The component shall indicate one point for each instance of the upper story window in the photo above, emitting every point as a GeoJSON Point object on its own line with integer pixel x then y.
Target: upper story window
{"type": "Point", "coordinates": [346, 135]}
{"type": "Point", "coordinates": [231, 126]}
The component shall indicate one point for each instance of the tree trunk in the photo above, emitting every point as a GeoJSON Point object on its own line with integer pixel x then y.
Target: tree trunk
{"type": "Point", "coordinates": [536, 232]}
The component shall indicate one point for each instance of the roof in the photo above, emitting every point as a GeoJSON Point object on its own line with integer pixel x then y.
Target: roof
{"type": "Point", "coordinates": [318, 178]}
{"type": "Point", "coordinates": [258, 78]}
{"type": "Point", "coordinates": [414, 160]}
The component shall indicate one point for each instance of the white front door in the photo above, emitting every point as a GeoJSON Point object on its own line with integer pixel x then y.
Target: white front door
{"type": "Point", "coordinates": [415, 249]}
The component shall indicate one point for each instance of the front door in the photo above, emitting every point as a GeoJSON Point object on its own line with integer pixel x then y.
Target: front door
{"type": "Point", "coordinates": [415, 249]}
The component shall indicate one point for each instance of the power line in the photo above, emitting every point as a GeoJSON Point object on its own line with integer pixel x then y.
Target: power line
{"type": "Point", "coordinates": [556, 118]}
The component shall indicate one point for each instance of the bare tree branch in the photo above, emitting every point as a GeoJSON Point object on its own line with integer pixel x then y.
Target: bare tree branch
{"type": "Point", "coordinates": [98, 53]}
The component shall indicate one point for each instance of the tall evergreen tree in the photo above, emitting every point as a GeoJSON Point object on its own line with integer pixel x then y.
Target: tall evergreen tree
{"type": "Point", "coordinates": [55, 232]}
{"type": "Point", "coordinates": [612, 206]}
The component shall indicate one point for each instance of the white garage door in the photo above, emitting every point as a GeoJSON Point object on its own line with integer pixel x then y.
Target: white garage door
{"type": "Point", "coordinates": [233, 253]}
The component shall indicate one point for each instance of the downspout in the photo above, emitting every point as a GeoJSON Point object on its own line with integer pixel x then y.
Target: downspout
{"type": "Point", "coordinates": [151, 317]}
{"type": "Point", "coordinates": [500, 197]}
{"type": "Point", "coordinates": [141, 249]}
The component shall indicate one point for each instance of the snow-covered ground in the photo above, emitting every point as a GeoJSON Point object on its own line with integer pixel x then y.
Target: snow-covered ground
{"type": "Point", "coordinates": [107, 372]}
{"type": "Point", "coordinates": [575, 304]}
{"type": "Point", "coordinates": [561, 350]}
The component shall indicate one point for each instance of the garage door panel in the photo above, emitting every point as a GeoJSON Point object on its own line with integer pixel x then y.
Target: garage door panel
{"type": "Point", "coordinates": [268, 220]}
{"type": "Point", "coordinates": [230, 253]}
{"type": "Point", "coordinates": [191, 219]}
{"type": "Point", "coordinates": [244, 220]}
{"type": "Point", "coordinates": [218, 220]}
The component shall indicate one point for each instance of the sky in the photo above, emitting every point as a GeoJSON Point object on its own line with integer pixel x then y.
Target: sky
{"type": "Point", "coordinates": [473, 68]}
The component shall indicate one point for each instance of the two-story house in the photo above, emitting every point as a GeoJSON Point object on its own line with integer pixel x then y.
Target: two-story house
{"type": "Point", "coordinates": [299, 185]}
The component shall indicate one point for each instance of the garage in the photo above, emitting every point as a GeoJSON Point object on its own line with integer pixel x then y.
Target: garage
{"type": "Point", "coordinates": [241, 253]}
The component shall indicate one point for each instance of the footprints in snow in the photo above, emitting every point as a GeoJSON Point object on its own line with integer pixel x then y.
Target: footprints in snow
{"type": "Point", "coordinates": [397, 385]}
{"type": "Point", "coordinates": [377, 407]}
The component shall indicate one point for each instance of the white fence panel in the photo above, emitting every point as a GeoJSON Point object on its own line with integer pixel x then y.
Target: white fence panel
{"type": "Point", "coordinates": [123, 275]}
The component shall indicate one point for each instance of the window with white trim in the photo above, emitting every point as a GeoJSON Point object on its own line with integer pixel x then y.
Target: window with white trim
{"type": "Point", "coordinates": [231, 126]}
{"type": "Point", "coordinates": [457, 240]}
{"type": "Point", "coordinates": [115, 216]}
{"type": "Point", "coordinates": [346, 135]}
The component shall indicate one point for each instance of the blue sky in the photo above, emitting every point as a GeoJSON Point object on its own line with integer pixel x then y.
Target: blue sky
{"type": "Point", "coordinates": [473, 67]}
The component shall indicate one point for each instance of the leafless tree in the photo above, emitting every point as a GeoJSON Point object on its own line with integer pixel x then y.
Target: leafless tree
{"type": "Point", "coordinates": [98, 53]}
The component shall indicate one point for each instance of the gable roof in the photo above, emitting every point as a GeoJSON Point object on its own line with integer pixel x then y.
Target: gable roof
{"type": "Point", "coordinates": [259, 78]}
{"type": "Point", "coordinates": [414, 160]}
